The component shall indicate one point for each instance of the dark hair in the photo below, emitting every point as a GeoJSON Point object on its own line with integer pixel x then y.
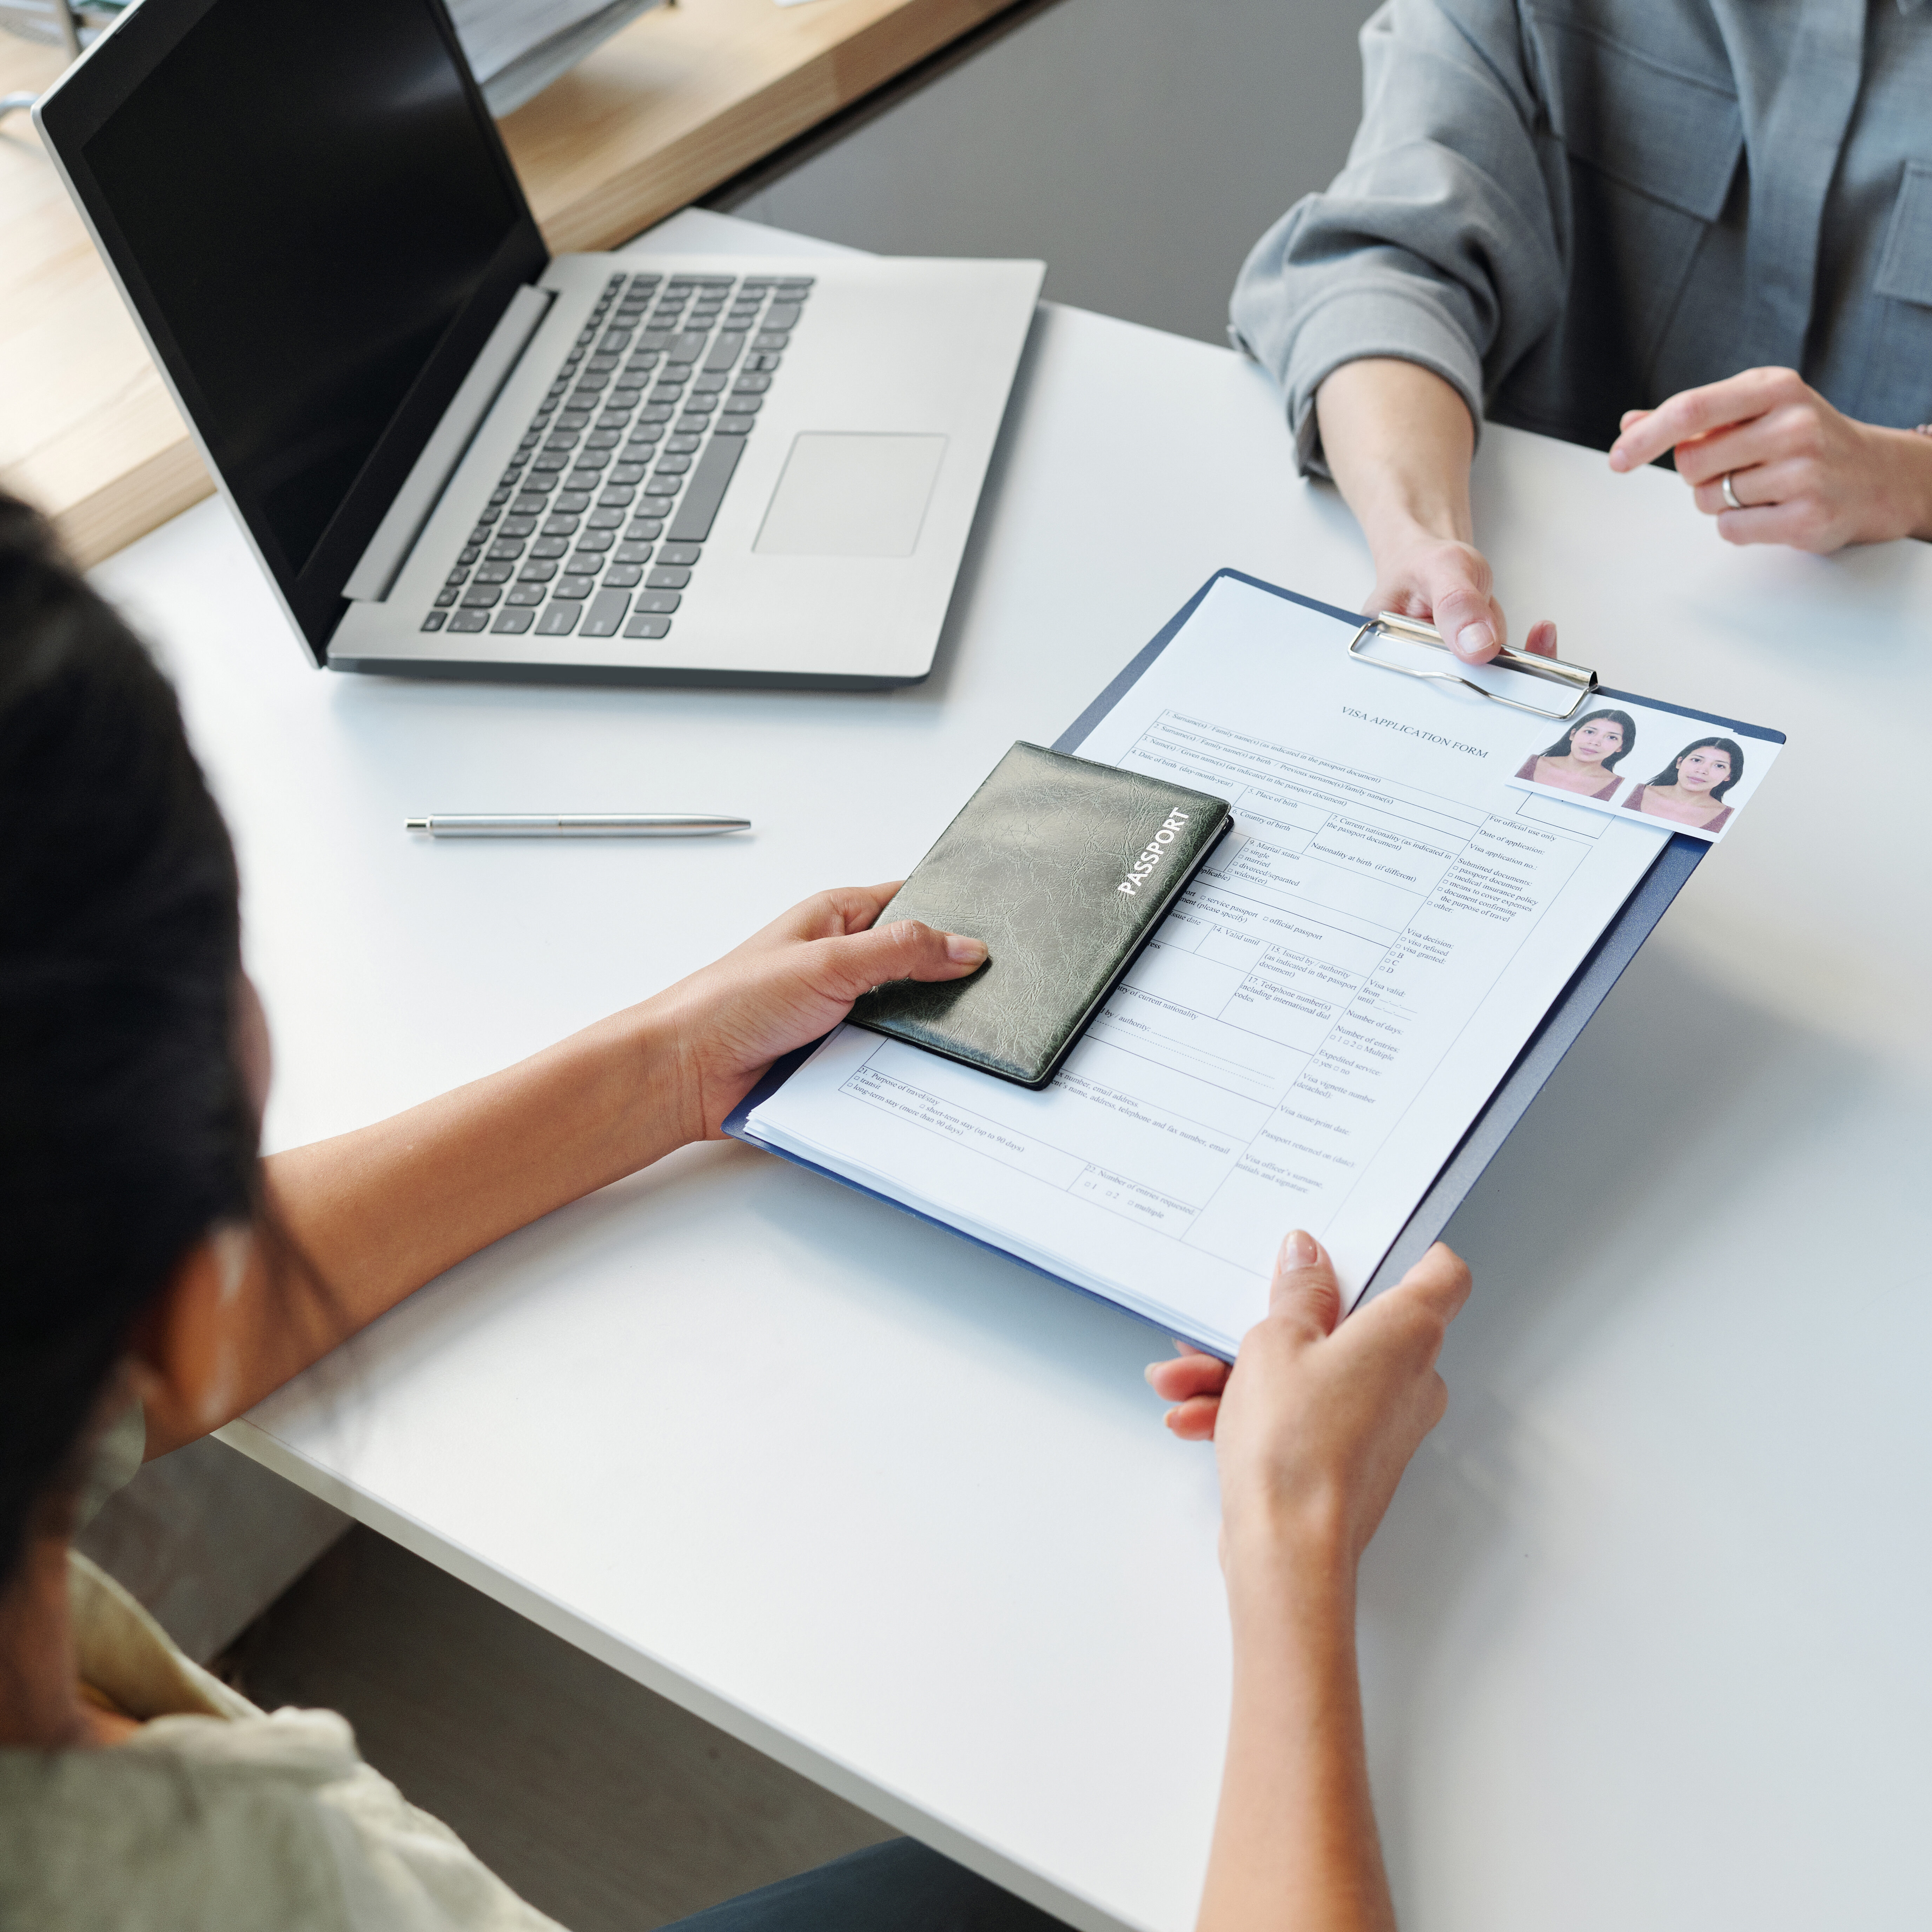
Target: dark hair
{"type": "Point", "coordinates": [1729, 746]}
{"type": "Point", "coordinates": [1560, 749]}
{"type": "Point", "coordinates": [127, 1132]}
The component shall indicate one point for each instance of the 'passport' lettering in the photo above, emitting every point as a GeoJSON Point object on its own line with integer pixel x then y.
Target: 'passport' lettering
{"type": "Point", "coordinates": [1156, 851]}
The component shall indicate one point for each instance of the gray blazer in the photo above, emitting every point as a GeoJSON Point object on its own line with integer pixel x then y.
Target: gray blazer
{"type": "Point", "coordinates": [1567, 208]}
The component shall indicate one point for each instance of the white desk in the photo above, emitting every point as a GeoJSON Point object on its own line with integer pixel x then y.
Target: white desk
{"type": "Point", "coordinates": [1643, 1632]}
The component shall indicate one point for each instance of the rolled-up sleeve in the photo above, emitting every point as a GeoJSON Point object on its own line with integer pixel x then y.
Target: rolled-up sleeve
{"type": "Point", "coordinates": [1437, 243]}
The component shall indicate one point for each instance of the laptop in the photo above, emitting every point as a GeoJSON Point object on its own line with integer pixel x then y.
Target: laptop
{"type": "Point", "coordinates": [456, 455]}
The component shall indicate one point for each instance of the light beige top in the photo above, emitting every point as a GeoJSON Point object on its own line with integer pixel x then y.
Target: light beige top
{"type": "Point", "coordinates": [217, 1817]}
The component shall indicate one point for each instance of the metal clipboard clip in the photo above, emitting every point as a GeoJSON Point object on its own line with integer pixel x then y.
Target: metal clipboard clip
{"type": "Point", "coordinates": [1577, 679]}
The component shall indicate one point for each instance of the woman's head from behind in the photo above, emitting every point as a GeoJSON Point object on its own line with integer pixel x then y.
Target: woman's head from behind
{"type": "Point", "coordinates": [128, 1131]}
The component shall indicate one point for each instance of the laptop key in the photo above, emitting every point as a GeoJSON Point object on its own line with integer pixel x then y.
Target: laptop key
{"type": "Point", "coordinates": [733, 425]}
{"type": "Point", "coordinates": [623, 576]}
{"type": "Point", "coordinates": [782, 315]}
{"type": "Point", "coordinates": [492, 573]}
{"type": "Point", "coordinates": [687, 347]}
{"type": "Point", "coordinates": [572, 589]}
{"type": "Point", "coordinates": [642, 626]}
{"type": "Point", "coordinates": [469, 620]}
{"type": "Point", "coordinates": [433, 622]}
{"type": "Point", "coordinates": [628, 552]}
{"type": "Point", "coordinates": [662, 602]}
{"type": "Point", "coordinates": [537, 570]}
{"type": "Point", "coordinates": [724, 350]}
{"type": "Point", "coordinates": [446, 597]}
{"type": "Point", "coordinates": [709, 482]}
{"type": "Point", "coordinates": [672, 466]}
{"type": "Point", "coordinates": [666, 579]}
{"type": "Point", "coordinates": [515, 622]}
{"type": "Point", "coordinates": [603, 613]}
{"type": "Point", "coordinates": [532, 594]}
{"type": "Point", "coordinates": [481, 597]}
{"type": "Point", "coordinates": [559, 621]}
{"type": "Point", "coordinates": [685, 553]}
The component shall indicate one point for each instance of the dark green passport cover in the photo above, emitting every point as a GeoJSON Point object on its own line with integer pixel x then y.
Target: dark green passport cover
{"type": "Point", "coordinates": [1064, 868]}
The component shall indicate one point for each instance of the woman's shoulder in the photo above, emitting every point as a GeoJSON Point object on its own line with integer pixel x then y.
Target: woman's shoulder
{"type": "Point", "coordinates": [221, 1824]}
{"type": "Point", "coordinates": [1529, 765]}
{"type": "Point", "coordinates": [1635, 802]}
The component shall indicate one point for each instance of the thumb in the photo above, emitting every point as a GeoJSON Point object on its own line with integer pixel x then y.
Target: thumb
{"type": "Point", "coordinates": [1304, 1289]}
{"type": "Point", "coordinates": [905, 949]}
{"type": "Point", "coordinates": [1466, 614]}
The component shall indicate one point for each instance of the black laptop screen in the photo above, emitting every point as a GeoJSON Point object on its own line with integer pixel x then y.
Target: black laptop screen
{"type": "Point", "coordinates": [312, 199]}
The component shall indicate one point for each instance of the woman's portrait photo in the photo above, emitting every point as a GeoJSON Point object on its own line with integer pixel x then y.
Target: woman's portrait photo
{"type": "Point", "coordinates": [1584, 760]}
{"type": "Point", "coordinates": [1690, 789]}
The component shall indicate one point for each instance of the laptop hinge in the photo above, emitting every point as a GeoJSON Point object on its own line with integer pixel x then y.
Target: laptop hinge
{"type": "Point", "coordinates": [395, 536]}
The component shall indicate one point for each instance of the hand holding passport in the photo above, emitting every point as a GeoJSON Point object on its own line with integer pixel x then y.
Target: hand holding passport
{"type": "Point", "coordinates": [1064, 868]}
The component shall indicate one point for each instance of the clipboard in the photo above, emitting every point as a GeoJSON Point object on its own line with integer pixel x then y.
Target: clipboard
{"type": "Point", "coordinates": [1561, 1025]}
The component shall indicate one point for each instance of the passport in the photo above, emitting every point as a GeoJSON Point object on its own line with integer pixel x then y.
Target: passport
{"type": "Point", "coordinates": [1064, 868]}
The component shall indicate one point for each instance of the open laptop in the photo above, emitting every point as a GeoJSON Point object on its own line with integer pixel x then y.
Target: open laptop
{"type": "Point", "coordinates": [456, 455]}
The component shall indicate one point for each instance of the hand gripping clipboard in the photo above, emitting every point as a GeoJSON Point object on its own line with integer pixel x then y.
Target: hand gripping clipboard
{"type": "Point", "coordinates": [1560, 1026]}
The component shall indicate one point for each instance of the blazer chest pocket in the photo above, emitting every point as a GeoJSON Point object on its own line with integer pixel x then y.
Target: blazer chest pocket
{"type": "Point", "coordinates": [1905, 263]}
{"type": "Point", "coordinates": [1896, 385]}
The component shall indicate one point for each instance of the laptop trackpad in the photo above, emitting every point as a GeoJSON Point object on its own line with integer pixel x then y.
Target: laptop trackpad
{"type": "Point", "coordinates": [851, 496]}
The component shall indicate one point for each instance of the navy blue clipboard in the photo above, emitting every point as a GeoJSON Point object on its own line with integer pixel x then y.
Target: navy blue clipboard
{"type": "Point", "coordinates": [1562, 1025]}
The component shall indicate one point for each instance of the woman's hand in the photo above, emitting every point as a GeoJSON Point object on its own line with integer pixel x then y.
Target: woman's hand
{"type": "Point", "coordinates": [1446, 583]}
{"type": "Point", "coordinates": [1313, 1427]}
{"type": "Point", "coordinates": [1806, 475]}
{"type": "Point", "coordinates": [1318, 1418]}
{"type": "Point", "coordinates": [1399, 439]}
{"type": "Point", "coordinates": [788, 984]}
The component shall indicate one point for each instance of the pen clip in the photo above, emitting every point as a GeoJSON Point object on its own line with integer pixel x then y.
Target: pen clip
{"type": "Point", "coordinates": [1579, 679]}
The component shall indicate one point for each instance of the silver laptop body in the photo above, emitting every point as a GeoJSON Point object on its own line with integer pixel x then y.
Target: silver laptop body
{"type": "Point", "coordinates": [803, 526]}
{"type": "Point", "coordinates": [456, 455]}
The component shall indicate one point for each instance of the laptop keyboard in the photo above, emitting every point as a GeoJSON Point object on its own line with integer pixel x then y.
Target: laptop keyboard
{"type": "Point", "coordinates": [598, 523]}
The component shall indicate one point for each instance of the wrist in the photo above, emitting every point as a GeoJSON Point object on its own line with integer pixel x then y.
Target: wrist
{"type": "Point", "coordinates": [1273, 1551]}
{"type": "Point", "coordinates": [1914, 463]}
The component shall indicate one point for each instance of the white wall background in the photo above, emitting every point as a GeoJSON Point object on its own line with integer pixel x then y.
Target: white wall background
{"type": "Point", "coordinates": [1138, 146]}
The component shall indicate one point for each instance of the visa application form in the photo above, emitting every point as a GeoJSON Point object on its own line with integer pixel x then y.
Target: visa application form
{"type": "Point", "coordinates": [1313, 1028]}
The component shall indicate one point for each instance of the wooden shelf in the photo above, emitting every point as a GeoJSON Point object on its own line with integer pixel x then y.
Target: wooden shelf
{"type": "Point", "coordinates": [682, 100]}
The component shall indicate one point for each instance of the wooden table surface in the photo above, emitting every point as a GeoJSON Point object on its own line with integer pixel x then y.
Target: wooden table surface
{"type": "Point", "coordinates": [683, 98]}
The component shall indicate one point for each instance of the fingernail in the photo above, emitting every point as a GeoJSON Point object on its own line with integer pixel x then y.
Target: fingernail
{"type": "Point", "coordinates": [1147, 1374]}
{"type": "Point", "coordinates": [1617, 460]}
{"type": "Point", "coordinates": [1474, 637]}
{"type": "Point", "coordinates": [964, 951]}
{"type": "Point", "coordinates": [1300, 1250]}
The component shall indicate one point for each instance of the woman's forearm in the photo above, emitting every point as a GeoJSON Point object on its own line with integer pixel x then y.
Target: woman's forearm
{"type": "Point", "coordinates": [1295, 1848]}
{"type": "Point", "coordinates": [378, 1212]}
{"type": "Point", "coordinates": [1398, 440]}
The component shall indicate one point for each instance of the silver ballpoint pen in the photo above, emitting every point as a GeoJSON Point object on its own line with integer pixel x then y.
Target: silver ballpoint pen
{"type": "Point", "coordinates": [574, 824]}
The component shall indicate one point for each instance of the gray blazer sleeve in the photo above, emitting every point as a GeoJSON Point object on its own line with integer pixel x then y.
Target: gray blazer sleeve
{"type": "Point", "coordinates": [1436, 244]}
